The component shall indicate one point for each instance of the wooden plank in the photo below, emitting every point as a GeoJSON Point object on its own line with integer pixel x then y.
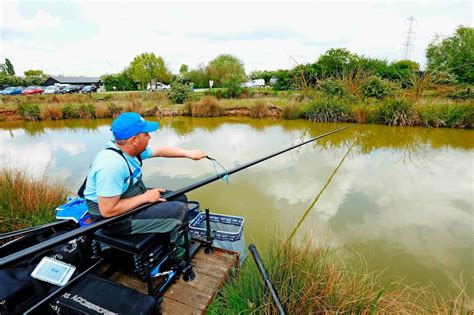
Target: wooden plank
{"type": "Point", "coordinates": [211, 272]}
{"type": "Point", "coordinates": [190, 296]}
{"type": "Point", "coordinates": [202, 282]}
{"type": "Point", "coordinates": [170, 306]}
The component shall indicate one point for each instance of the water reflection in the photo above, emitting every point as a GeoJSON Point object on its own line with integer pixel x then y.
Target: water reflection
{"type": "Point", "coordinates": [403, 197]}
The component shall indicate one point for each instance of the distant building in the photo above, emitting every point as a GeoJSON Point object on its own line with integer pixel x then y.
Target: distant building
{"type": "Point", "coordinates": [73, 81]}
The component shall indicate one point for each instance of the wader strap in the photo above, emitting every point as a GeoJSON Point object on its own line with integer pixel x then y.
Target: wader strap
{"type": "Point", "coordinates": [80, 192]}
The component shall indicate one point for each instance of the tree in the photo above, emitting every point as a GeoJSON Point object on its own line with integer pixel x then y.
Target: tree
{"type": "Point", "coordinates": [147, 67]}
{"type": "Point", "coordinates": [199, 77]}
{"type": "Point", "coordinates": [121, 81]}
{"type": "Point", "coordinates": [225, 67]}
{"type": "Point", "coordinates": [453, 55]}
{"type": "Point", "coordinates": [9, 69]}
{"type": "Point", "coordinates": [337, 61]}
{"type": "Point", "coordinates": [183, 69]}
{"type": "Point", "coordinates": [33, 73]}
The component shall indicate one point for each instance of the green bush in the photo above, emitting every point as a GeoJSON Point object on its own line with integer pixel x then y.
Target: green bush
{"type": "Point", "coordinates": [459, 115]}
{"type": "Point", "coordinates": [233, 88]}
{"type": "Point", "coordinates": [376, 87]}
{"type": "Point", "coordinates": [87, 110]}
{"type": "Point", "coordinates": [432, 116]}
{"type": "Point", "coordinates": [29, 111]}
{"type": "Point", "coordinates": [292, 111]}
{"type": "Point", "coordinates": [179, 93]}
{"type": "Point", "coordinates": [332, 87]}
{"type": "Point", "coordinates": [329, 110]}
{"type": "Point", "coordinates": [450, 115]}
{"type": "Point", "coordinates": [395, 112]}
{"type": "Point", "coordinates": [70, 111]}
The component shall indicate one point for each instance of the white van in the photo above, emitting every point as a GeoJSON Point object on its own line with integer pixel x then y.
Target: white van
{"type": "Point", "coordinates": [258, 83]}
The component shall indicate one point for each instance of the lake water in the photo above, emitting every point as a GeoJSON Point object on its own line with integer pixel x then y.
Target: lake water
{"type": "Point", "coordinates": [402, 198]}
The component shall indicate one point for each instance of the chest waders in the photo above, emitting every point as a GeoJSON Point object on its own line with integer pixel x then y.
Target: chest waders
{"type": "Point", "coordinates": [165, 217]}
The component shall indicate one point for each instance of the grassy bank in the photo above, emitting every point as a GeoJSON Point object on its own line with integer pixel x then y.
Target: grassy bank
{"type": "Point", "coordinates": [26, 202]}
{"type": "Point", "coordinates": [400, 110]}
{"type": "Point", "coordinates": [314, 280]}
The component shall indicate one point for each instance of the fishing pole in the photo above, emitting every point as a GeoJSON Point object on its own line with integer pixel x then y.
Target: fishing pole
{"type": "Point", "coordinates": [5, 261]}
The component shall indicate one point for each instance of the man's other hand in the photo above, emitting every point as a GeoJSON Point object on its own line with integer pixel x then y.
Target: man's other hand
{"type": "Point", "coordinates": [154, 195]}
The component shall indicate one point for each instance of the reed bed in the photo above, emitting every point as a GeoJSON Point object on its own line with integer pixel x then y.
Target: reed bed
{"type": "Point", "coordinates": [25, 201]}
{"type": "Point", "coordinates": [332, 103]}
{"type": "Point", "coordinates": [315, 280]}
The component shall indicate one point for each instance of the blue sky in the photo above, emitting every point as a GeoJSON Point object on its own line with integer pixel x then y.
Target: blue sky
{"type": "Point", "coordinates": [91, 38]}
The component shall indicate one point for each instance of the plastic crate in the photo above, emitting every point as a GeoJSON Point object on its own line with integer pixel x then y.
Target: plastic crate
{"type": "Point", "coordinates": [224, 227]}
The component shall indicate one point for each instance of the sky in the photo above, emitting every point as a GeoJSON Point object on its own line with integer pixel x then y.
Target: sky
{"type": "Point", "coordinates": [91, 38]}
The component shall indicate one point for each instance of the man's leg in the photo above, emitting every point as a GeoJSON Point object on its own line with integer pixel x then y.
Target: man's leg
{"type": "Point", "coordinates": [165, 217]}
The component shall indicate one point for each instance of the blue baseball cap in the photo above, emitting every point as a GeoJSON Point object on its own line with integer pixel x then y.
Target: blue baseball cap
{"type": "Point", "coordinates": [128, 124]}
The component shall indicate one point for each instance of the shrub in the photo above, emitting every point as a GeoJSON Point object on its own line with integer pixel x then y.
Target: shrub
{"type": "Point", "coordinates": [329, 110]}
{"type": "Point", "coordinates": [29, 111]}
{"type": "Point", "coordinates": [292, 111]}
{"type": "Point", "coordinates": [258, 109]}
{"type": "Point", "coordinates": [332, 87]}
{"type": "Point", "coordinates": [232, 87]}
{"type": "Point", "coordinates": [51, 113]}
{"type": "Point", "coordinates": [87, 110]}
{"type": "Point", "coordinates": [376, 87]}
{"type": "Point", "coordinates": [70, 111]}
{"type": "Point", "coordinates": [361, 114]}
{"type": "Point", "coordinates": [205, 107]}
{"type": "Point", "coordinates": [395, 112]}
{"type": "Point", "coordinates": [179, 93]}
{"type": "Point", "coordinates": [459, 115]}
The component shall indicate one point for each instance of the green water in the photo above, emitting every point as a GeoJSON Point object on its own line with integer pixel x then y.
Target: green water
{"type": "Point", "coordinates": [402, 199]}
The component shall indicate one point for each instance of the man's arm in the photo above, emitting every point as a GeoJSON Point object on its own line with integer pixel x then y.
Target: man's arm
{"type": "Point", "coordinates": [113, 206]}
{"type": "Point", "coordinates": [173, 152]}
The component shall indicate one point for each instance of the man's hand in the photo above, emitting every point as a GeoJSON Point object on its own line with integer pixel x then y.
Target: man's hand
{"type": "Point", "coordinates": [154, 195]}
{"type": "Point", "coordinates": [196, 154]}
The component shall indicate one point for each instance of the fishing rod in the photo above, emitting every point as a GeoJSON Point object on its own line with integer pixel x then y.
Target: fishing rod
{"type": "Point", "coordinates": [38, 228]}
{"type": "Point", "coordinates": [5, 261]}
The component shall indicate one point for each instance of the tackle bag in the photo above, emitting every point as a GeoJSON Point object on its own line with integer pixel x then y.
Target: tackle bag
{"type": "Point", "coordinates": [94, 295]}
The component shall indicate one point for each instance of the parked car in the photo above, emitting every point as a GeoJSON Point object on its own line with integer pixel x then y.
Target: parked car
{"type": "Point", "coordinates": [31, 90]}
{"type": "Point", "coordinates": [12, 90]}
{"type": "Point", "coordinates": [89, 89]}
{"type": "Point", "coordinates": [246, 84]}
{"type": "Point", "coordinates": [159, 87]}
{"type": "Point", "coordinates": [71, 89]}
{"type": "Point", "coordinates": [52, 89]}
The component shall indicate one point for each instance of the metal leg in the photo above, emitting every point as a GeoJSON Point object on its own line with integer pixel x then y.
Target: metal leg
{"type": "Point", "coordinates": [209, 249]}
{"type": "Point", "coordinates": [188, 273]}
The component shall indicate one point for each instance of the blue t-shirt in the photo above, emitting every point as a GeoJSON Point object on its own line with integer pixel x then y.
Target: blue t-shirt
{"type": "Point", "coordinates": [109, 175]}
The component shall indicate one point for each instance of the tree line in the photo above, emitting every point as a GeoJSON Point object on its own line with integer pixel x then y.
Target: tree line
{"type": "Point", "coordinates": [449, 60]}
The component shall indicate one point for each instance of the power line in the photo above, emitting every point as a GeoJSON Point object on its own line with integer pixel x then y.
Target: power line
{"type": "Point", "coordinates": [409, 39]}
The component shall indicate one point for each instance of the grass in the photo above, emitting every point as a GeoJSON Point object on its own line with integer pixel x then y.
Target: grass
{"type": "Point", "coordinates": [27, 202]}
{"type": "Point", "coordinates": [433, 109]}
{"type": "Point", "coordinates": [314, 280]}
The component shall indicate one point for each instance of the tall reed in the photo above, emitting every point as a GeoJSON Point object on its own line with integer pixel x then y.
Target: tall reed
{"type": "Point", "coordinates": [25, 201]}
{"type": "Point", "coordinates": [315, 280]}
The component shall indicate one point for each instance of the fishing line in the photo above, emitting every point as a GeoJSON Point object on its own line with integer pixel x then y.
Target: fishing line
{"type": "Point", "coordinates": [214, 162]}
{"type": "Point", "coordinates": [311, 206]}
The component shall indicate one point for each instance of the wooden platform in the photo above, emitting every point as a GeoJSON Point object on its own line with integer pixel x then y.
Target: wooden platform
{"type": "Point", "coordinates": [195, 296]}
